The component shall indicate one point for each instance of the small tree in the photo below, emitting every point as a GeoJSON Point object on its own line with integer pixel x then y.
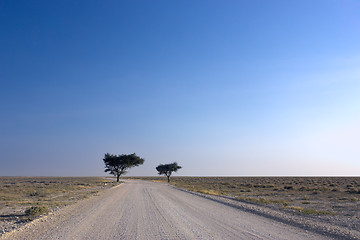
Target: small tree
{"type": "Point", "coordinates": [167, 169]}
{"type": "Point", "coordinates": [118, 165]}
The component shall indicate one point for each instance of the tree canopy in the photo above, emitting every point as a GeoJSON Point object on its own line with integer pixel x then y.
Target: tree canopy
{"type": "Point", "coordinates": [167, 169]}
{"type": "Point", "coordinates": [118, 165]}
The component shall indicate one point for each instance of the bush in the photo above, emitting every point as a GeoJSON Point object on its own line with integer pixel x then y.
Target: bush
{"type": "Point", "coordinates": [353, 191]}
{"type": "Point", "coordinates": [37, 211]}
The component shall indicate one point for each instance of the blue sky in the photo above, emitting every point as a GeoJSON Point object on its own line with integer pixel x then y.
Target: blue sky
{"type": "Point", "coordinates": [236, 88]}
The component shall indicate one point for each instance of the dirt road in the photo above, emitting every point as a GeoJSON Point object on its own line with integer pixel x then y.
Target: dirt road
{"type": "Point", "coordinates": [147, 210]}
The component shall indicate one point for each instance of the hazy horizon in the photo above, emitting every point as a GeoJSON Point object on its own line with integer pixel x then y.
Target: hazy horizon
{"type": "Point", "coordinates": [238, 88]}
{"type": "Point", "coordinates": [179, 175]}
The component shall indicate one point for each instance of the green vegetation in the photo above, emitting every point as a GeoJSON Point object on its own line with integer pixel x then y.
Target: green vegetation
{"type": "Point", "coordinates": [168, 169]}
{"type": "Point", "coordinates": [37, 210]}
{"type": "Point", "coordinates": [118, 165]}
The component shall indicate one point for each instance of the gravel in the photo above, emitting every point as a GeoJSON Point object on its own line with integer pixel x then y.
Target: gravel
{"type": "Point", "coordinates": [330, 226]}
{"type": "Point", "coordinates": [146, 210]}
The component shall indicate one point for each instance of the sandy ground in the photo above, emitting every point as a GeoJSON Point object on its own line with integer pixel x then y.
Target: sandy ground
{"type": "Point", "coordinates": [146, 210]}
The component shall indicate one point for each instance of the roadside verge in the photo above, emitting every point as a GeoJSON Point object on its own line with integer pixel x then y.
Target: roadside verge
{"type": "Point", "coordinates": [303, 222]}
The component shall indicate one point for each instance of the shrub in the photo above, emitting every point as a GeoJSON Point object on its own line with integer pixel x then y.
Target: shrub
{"type": "Point", "coordinates": [37, 211]}
{"type": "Point", "coordinates": [353, 191]}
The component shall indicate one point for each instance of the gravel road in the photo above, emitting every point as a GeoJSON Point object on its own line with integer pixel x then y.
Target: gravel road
{"type": "Point", "coordinates": [147, 210]}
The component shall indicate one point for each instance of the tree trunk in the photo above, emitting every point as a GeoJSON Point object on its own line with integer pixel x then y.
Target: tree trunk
{"type": "Point", "coordinates": [117, 178]}
{"type": "Point", "coordinates": [168, 179]}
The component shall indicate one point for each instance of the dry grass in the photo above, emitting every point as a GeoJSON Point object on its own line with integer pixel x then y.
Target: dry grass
{"type": "Point", "coordinates": [262, 200]}
{"type": "Point", "coordinates": [32, 196]}
{"type": "Point", "coordinates": [321, 195]}
{"type": "Point", "coordinates": [309, 211]}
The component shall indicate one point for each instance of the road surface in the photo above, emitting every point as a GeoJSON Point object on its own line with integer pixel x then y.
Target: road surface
{"type": "Point", "coordinates": [146, 210]}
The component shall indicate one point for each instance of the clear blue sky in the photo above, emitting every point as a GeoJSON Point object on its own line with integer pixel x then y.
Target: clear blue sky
{"type": "Point", "coordinates": [222, 87]}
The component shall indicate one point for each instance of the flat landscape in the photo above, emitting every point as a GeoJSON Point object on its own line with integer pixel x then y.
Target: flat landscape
{"type": "Point", "coordinates": [188, 208]}
{"type": "Point", "coordinates": [148, 210]}
{"type": "Point", "coordinates": [326, 195]}
{"type": "Point", "coordinates": [24, 198]}
{"type": "Point", "coordinates": [125, 90]}
{"type": "Point", "coordinates": [331, 200]}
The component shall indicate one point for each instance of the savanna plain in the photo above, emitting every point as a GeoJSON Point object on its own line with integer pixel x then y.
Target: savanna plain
{"type": "Point", "coordinates": [334, 201]}
{"type": "Point", "coordinates": [321, 204]}
{"type": "Point", "coordinates": [22, 199]}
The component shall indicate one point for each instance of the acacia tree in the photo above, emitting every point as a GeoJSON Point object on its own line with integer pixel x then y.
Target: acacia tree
{"type": "Point", "coordinates": [167, 169]}
{"type": "Point", "coordinates": [118, 165]}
